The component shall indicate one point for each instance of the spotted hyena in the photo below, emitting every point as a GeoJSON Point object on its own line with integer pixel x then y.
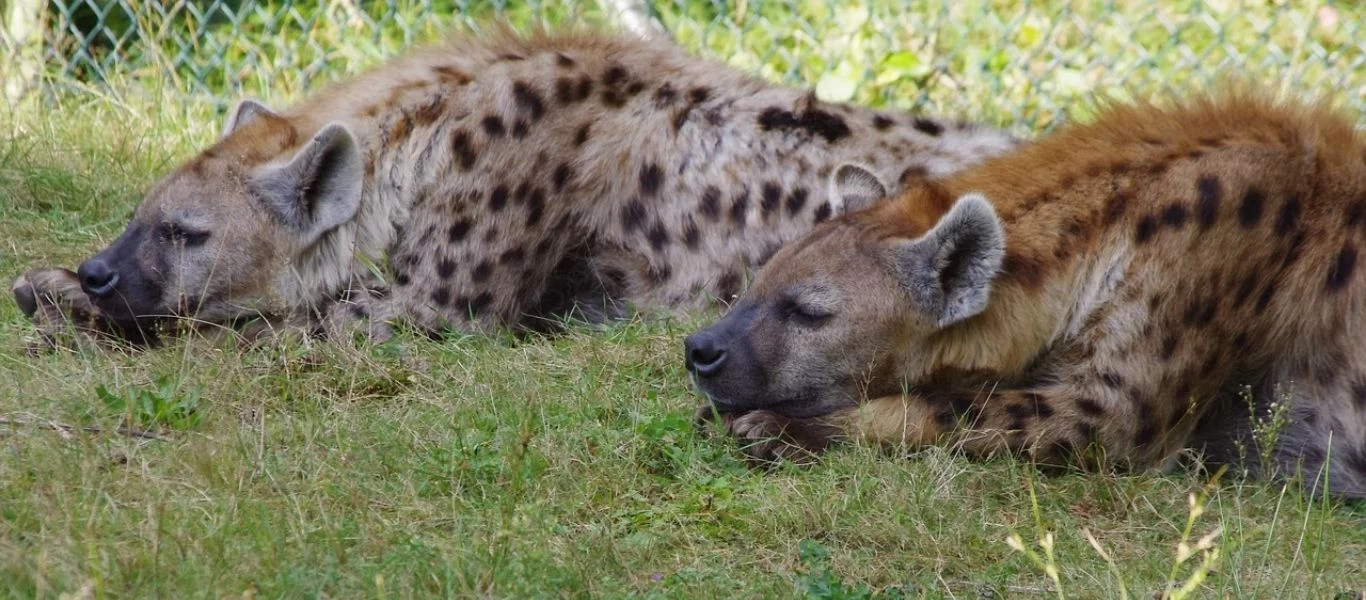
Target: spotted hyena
{"type": "Point", "coordinates": [1118, 286]}
{"type": "Point", "coordinates": [496, 181]}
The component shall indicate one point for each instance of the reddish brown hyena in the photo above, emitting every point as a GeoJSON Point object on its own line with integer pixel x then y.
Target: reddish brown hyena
{"type": "Point", "coordinates": [1120, 286]}
{"type": "Point", "coordinates": [495, 181]}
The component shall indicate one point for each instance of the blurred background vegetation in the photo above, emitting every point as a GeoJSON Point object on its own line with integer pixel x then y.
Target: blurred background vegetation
{"type": "Point", "coordinates": [1021, 63]}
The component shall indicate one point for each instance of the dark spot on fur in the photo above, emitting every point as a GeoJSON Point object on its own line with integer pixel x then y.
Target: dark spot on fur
{"type": "Point", "coordinates": [882, 122]}
{"type": "Point", "coordinates": [1089, 407]}
{"type": "Point", "coordinates": [1341, 272]}
{"type": "Point", "coordinates": [1027, 270]}
{"type": "Point", "coordinates": [1264, 300]}
{"type": "Point", "coordinates": [535, 207]}
{"type": "Point", "coordinates": [445, 268]}
{"type": "Point", "coordinates": [1359, 395]}
{"type": "Point", "coordinates": [699, 95]}
{"type": "Point", "coordinates": [1115, 206]}
{"type": "Point", "coordinates": [633, 215]}
{"type": "Point", "coordinates": [614, 75]}
{"type": "Point", "coordinates": [441, 296]}
{"type": "Point", "coordinates": [665, 95]}
{"type": "Point", "coordinates": [459, 230]}
{"type": "Point", "coordinates": [563, 60]}
{"type": "Point", "coordinates": [651, 179]}
{"type": "Point", "coordinates": [813, 121]}
{"type": "Point", "coordinates": [728, 286]}
{"type": "Point", "coordinates": [681, 117]}
{"type": "Point", "coordinates": [1211, 363]}
{"type": "Point", "coordinates": [478, 304]}
{"type": "Point", "coordinates": [1244, 290]}
{"type": "Point", "coordinates": [658, 236]}
{"type": "Point", "coordinates": [1289, 217]}
{"type": "Point", "coordinates": [1208, 193]}
{"type": "Point", "coordinates": [520, 194]}
{"type": "Point", "coordinates": [564, 91]}
{"type": "Point", "coordinates": [512, 256]}
{"type": "Point", "coordinates": [481, 272]}
{"type": "Point", "coordinates": [493, 126]}
{"type": "Point", "coordinates": [928, 127]}
{"type": "Point", "coordinates": [796, 201]}
{"type": "Point", "coordinates": [1145, 435]}
{"type": "Point", "coordinates": [1292, 253]}
{"type": "Point", "coordinates": [1356, 213]}
{"type": "Point", "coordinates": [581, 135]}
{"type": "Point", "coordinates": [520, 128]}
{"type": "Point", "coordinates": [691, 234]}
{"type": "Point", "coordinates": [1017, 411]}
{"type": "Point", "coordinates": [739, 208]}
{"type": "Point", "coordinates": [1174, 216]}
{"type": "Point", "coordinates": [451, 74]}
{"type": "Point", "coordinates": [543, 246]}
{"type": "Point", "coordinates": [1146, 226]}
{"type": "Point", "coordinates": [498, 198]}
{"type": "Point", "coordinates": [463, 149]}
{"type": "Point", "coordinates": [1250, 212]}
{"type": "Point", "coordinates": [428, 113]}
{"type": "Point", "coordinates": [772, 194]}
{"type": "Point", "coordinates": [1112, 380]}
{"type": "Point", "coordinates": [710, 206]}
{"type": "Point", "coordinates": [823, 212]}
{"type": "Point", "coordinates": [659, 274]}
{"type": "Point", "coordinates": [1169, 346]}
{"type": "Point", "coordinates": [528, 100]}
{"type": "Point", "coordinates": [1039, 405]}
{"type": "Point", "coordinates": [561, 176]}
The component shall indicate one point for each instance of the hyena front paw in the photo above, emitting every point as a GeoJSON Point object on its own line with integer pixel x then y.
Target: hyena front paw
{"type": "Point", "coordinates": [60, 310]}
{"type": "Point", "coordinates": [768, 438]}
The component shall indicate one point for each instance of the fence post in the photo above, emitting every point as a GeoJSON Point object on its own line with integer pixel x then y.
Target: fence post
{"type": "Point", "coordinates": [21, 38]}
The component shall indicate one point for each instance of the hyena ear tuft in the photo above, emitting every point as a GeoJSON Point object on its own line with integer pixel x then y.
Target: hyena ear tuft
{"type": "Point", "coordinates": [854, 187]}
{"type": "Point", "coordinates": [948, 272]}
{"type": "Point", "coordinates": [319, 188]}
{"type": "Point", "coordinates": [245, 112]}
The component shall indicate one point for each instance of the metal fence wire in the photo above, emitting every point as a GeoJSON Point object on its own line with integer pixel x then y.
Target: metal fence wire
{"type": "Point", "coordinates": [1023, 63]}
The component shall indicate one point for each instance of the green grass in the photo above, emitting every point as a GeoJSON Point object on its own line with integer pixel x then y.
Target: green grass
{"type": "Point", "coordinates": [493, 466]}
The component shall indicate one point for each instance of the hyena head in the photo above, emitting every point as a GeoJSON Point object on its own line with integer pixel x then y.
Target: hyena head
{"type": "Point", "coordinates": [843, 313]}
{"type": "Point", "coordinates": [210, 239]}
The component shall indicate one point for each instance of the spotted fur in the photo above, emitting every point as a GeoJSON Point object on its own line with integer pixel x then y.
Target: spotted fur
{"type": "Point", "coordinates": [503, 179]}
{"type": "Point", "coordinates": [1156, 264]}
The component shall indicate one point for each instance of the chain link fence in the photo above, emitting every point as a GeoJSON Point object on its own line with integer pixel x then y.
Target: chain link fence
{"type": "Point", "coordinates": [1028, 64]}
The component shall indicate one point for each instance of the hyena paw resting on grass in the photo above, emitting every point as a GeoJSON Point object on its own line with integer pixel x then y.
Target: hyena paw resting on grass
{"type": "Point", "coordinates": [1116, 286]}
{"type": "Point", "coordinates": [495, 181]}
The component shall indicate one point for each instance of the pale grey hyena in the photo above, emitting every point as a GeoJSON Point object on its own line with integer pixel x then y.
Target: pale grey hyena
{"type": "Point", "coordinates": [495, 180]}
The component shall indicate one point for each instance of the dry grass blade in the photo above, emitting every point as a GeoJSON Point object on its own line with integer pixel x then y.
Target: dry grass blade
{"type": "Point", "coordinates": [65, 430]}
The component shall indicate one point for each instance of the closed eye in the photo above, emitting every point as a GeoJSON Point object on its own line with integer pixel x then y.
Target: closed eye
{"type": "Point", "coordinates": [177, 234]}
{"type": "Point", "coordinates": [805, 315]}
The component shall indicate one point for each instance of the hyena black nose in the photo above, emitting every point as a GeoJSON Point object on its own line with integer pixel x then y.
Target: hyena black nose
{"type": "Point", "coordinates": [97, 279]}
{"type": "Point", "coordinates": [704, 354]}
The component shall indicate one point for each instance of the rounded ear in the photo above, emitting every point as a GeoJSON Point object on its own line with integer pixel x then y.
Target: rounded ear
{"type": "Point", "coordinates": [319, 188]}
{"type": "Point", "coordinates": [854, 187]}
{"type": "Point", "coordinates": [245, 111]}
{"type": "Point", "coordinates": [948, 272]}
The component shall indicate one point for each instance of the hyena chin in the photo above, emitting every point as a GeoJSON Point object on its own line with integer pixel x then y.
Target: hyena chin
{"type": "Point", "coordinates": [496, 181]}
